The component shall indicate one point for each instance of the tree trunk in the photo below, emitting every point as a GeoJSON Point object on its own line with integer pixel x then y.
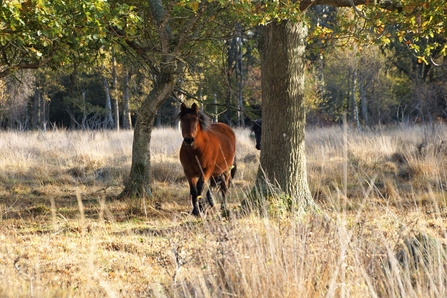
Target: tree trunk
{"type": "Point", "coordinates": [355, 108]}
{"type": "Point", "coordinates": [115, 95]}
{"type": "Point", "coordinates": [117, 113]}
{"type": "Point", "coordinates": [231, 49]}
{"type": "Point", "coordinates": [283, 159]}
{"type": "Point", "coordinates": [127, 123]}
{"type": "Point", "coordinates": [109, 116]}
{"type": "Point", "coordinates": [170, 68]}
{"type": "Point", "coordinates": [36, 102]}
{"type": "Point", "coordinates": [240, 74]}
{"type": "Point", "coordinates": [176, 111]}
{"type": "Point", "coordinates": [363, 103]}
{"type": "Point", "coordinates": [158, 119]}
{"type": "Point", "coordinates": [42, 113]}
{"type": "Point", "coordinates": [139, 181]}
{"type": "Point", "coordinates": [71, 106]}
{"type": "Point", "coordinates": [216, 115]}
{"type": "Point", "coordinates": [84, 112]}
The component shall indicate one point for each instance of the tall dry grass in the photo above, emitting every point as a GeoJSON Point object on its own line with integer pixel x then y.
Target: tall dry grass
{"type": "Point", "coordinates": [381, 231]}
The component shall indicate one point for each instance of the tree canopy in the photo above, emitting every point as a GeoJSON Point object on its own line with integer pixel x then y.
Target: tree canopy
{"type": "Point", "coordinates": [52, 33]}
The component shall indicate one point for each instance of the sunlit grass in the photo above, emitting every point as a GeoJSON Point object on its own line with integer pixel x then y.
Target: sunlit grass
{"type": "Point", "coordinates": [62, 234]}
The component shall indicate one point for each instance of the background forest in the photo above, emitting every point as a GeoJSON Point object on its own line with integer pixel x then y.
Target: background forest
{"type": "Point", "coordinates": [376, 84]}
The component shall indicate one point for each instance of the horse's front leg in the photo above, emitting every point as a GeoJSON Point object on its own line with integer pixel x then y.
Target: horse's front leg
{"type": "Point", "coordinates": [194, 197]}
{"type": "Point", "coordinates": [213, 183]}
{"type": "Point", "coordinates": [200, 184]}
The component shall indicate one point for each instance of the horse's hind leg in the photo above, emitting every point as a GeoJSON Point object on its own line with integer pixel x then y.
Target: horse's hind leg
{"type": "Point", "coordinates": [223, 190]}
{"type": "Point", "coordinates": [209, 198]}
{"type": "Point", "coordinates": [214, 182]}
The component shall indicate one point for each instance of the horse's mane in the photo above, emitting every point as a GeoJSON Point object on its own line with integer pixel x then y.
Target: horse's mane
{"type": "Point", "coordinates": [204, 119]}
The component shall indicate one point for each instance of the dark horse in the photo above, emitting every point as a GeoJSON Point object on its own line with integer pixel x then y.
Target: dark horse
{"type": "Point", "coordinates": [256, 127]}
{"type": "Point", "coordinates": [208, 154]}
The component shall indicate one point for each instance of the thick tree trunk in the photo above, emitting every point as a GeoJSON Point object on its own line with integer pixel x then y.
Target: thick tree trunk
{"type": "Point", "coordinates": [283, 159]}
{"type": "Point", "coordinates": [139, 181]}
{"type": "Point", "coordinates": [169, 69]}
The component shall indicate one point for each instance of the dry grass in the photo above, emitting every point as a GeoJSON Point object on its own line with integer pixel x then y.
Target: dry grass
{"type": "Point", "coordinates": [63, 235]}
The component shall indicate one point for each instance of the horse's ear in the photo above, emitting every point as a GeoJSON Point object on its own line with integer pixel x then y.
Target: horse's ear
{"type": "Point", "coordinates": [195, 107]}
{"type": "Point", "coordinates": [182, 107]}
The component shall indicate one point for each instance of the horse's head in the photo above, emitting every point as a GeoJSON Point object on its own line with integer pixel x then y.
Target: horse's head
{"type": "Point", "coordinates": [189, 122]}
{"type": "Point", "coordinates": [192, 121]}
{"type": "Point", "coordinates": [256, 127]}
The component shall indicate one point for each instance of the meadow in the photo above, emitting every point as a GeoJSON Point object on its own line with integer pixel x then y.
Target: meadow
{"type": "Point", "coordinates": [380, 230]}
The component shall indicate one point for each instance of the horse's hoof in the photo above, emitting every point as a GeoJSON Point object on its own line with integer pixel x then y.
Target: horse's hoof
{"type": "Point", "coordinates": [195, 212]}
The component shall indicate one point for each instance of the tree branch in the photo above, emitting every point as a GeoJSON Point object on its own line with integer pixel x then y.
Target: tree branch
{"type": "Point", "coordinates": [190, 25]}
{"type": "Point", "coordinates": [385, 4]}
{"type": "Point", "coordinates": [160, 20]}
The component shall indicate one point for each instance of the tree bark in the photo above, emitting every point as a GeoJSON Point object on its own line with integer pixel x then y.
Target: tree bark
{"type": "Point", "coordinates": [115, 95]}
{"type": "Point", "coordinates": [354, 105]}
{"type": "Point", "coordinates": [240, 73]}
{"type": "Point", "coordinates": [127, 123]}
{"type": "Point", "coordinates": [42, 112]}
{"type": "Point", "coordinates": [231, 60]}
{"type": "Point", "coordinates": [169, 69]}
{"type": "Point", "coordinates": [84, 111]}
{"type": "Point", "coordinates": [36, 102]}
{"type": "Point", "coordinates": [363, 103]}
{"type": "Point", "coordinates": [139, 181]}
{"type": "Point", "coordinates": [283, 159]}
{"type": "Point", "coordinates": [109, 115]}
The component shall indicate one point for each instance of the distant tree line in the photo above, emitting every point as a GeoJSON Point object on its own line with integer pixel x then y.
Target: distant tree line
{"type": "Point", "coordinates": [373, 84]}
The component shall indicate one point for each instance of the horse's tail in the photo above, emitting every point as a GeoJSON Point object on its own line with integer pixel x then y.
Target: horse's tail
{"type": "Point", "coordinates": [232, 172]}
{"type": "Point", "coordinates": [233, 168]}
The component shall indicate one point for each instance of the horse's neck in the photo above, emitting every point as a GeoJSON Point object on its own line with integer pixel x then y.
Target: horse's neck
{"type": "Point", "coordinates": [201, 138]}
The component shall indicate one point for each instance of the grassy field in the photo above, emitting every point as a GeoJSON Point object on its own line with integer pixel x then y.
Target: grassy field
{"type": "Point", "coordinates": [381, 231]}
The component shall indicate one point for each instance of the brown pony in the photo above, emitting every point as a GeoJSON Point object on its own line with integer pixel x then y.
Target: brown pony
{"type": "Point", "coordinates": [207, 154]}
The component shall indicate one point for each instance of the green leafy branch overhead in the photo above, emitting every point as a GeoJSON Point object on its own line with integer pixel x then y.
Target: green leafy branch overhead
{"type": "Point", "coordinates": [363, 20]}
{"type": "Point", "coordinates": [34, 33]}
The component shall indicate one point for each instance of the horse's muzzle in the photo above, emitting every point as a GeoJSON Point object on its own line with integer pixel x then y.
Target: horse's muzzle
{"type": "Point", "coordinates": [188, 141]}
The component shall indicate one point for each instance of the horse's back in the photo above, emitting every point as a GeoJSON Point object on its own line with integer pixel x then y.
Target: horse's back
{"type": "Point", "coordinates": [224, 130]}
{"type": "Point", "coordinates": [226, 151]}
{"type": "Point", "coordinates": [226, 136]}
